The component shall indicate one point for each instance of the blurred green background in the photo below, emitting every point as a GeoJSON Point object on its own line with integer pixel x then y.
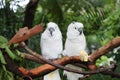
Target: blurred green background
{"type": "Point", "coordinates": [101, 19]}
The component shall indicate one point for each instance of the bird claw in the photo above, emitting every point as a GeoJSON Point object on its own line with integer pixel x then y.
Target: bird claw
{"type": "Point", "coordinates": [83, 56]}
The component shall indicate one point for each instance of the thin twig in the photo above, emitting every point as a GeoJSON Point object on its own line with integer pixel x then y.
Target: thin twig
{"type": "Point", "coordinates": [32, 58]}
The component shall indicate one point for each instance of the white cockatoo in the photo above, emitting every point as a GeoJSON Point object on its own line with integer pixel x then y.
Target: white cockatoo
{"type": "Point", "coordinates": [51, 47]}
{"type": "Point", "coordinates": [75, 45]}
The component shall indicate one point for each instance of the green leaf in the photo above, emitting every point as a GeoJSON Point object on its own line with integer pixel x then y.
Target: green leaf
{"type": "Point", "coordinates": [104, 58]}
{"type": "Point", "coordinates": [10, 76]}
{"type": "Point", "coordinates": [3, 40]}
{"type": "Point", "coordinates": [2, 60]}
{"type": "Point", "coordinates": [3, 45]}
{"type": "Point", "coordinates": [4, 68]}
{"type": "Point", "coordinates": [10, 53]}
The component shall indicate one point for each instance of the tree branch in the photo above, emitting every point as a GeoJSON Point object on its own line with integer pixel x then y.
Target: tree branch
{"type": "Point", "coordinates": [25, 33]}
{"type": "Point", "coordinates": [46, 68]}
{"type": "Point", "coordinates": [52, 64]}
{"type": "Point", "coordinates": [65, 61]}
{"type": "Point", "coordinates": [32, 58]}
{"type": "Point", "coordinates": [105, 49]}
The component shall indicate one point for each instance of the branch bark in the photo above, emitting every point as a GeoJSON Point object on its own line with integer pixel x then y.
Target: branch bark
{"type": "Point", "coordinates": [32, 58]}
{"type": "Point", "coordinates": [45, 60]}
{"type": "Point", "coordinates": [25, 33]}
{"type": "Point", "coordinates": [48, 68]}
{"type": "Point", "coordinates": [105, 49]}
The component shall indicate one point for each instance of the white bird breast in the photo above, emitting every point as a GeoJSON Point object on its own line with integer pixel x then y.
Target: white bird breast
{"type": "Point", "coordinates": [74, 46]}
{"type": "Point", "coordinates": [52, 48]}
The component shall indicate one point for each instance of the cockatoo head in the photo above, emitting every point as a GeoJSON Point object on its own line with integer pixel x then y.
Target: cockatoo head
{"type": "Point", "coordinates": [75, 29]}
{"type": "Point", "coordinates": [52, 30]}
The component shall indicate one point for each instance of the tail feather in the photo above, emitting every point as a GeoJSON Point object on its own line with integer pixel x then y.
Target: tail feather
{"type": "Point", "coordinates": [52, 75]}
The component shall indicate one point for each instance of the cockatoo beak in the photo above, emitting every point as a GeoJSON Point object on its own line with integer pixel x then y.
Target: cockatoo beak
{"type": "Point", "coordinates": [80, 30]}
{"type": "Point", "coordinates": [51, 30]}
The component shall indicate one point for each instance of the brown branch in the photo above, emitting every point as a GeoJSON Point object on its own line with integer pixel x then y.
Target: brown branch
{"type": "Point", "coordinates": [105, 49]}
{"type": "Point", "coordinates": [27, 78]}
{"type": "Point", "coordinates": [25, 33]}
{"type": "Point", "coordinates": [77, 59]}
{"type": "Point", "coordinates": [32, 58]}
{"type": "Point", "coordinates": [11, 66]}
{"type": "Point", "coordinates": [80, 65]}
{"type": "Point", "coordinates": [54, 65]}
{"type": "Point", "coordinates": [46, 68]}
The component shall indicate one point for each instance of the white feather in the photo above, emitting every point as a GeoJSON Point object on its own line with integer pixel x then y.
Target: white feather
{"type": "Point", "coordinates": [75, 42]}
{"type": "Point", "coordinates": [51, 47]}
{"type": "Point", "coordinates": [52, 76]}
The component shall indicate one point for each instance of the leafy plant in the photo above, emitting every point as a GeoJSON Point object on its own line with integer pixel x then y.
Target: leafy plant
{"type": "Point", "coordinates": [104, 61]}
{"type": "Point", "coordinates": [6, 49]}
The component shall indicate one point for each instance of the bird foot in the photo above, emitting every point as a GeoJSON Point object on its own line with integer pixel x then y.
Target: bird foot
{"type": "Point", "coordinates": [83, 56]}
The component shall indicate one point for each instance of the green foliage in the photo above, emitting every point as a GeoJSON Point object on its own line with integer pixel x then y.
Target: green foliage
{"type": "Point", "coordinates": [10, 21]}
{"type": "Point", "coordinates": [5, 74]}
{"type": "Point", "coordinates": [6, 49]}
{"type": "Point", "coordinates": [2, 59]}
{"type": "Point", "coordinates": [103, 61]}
